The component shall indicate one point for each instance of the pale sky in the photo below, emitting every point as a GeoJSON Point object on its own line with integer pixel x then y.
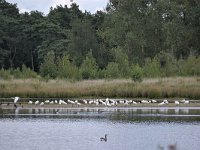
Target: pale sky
{"type": "Point", "coordinates": [44, 5]}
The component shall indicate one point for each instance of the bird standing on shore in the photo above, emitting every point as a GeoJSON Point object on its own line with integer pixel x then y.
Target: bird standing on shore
{"type": "Point", "coordinates": [176, 102]}
{"type": "Point", "coordinates": [162, 103]}
{"type": "Point", "coordinates": [15, 99]}
{"type": "Point", "coordinates": [30, 102]}
{"type": "Point", "coordinates": [186, 102]}
{"type": "Point", "coordinates": [154, 101]}
{"type": "Point", "coordinates": [36, 102]}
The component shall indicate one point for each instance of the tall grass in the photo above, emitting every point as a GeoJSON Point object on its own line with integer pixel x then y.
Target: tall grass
{"type": "Point", "coordinates": [187, 87]}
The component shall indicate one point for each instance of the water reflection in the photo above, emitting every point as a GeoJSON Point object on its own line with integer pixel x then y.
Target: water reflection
{"type": "Point", "coordinates": [115, 114]}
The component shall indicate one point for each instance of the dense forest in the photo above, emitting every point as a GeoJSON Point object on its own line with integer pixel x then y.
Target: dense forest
{"type": "Point", "coordinates": [130, 38]}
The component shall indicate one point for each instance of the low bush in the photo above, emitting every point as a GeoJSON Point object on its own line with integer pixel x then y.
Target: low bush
{"type": "Point", "coordinates": [5, 74]}
{"type": "Point", "coordinates": [137, 73]}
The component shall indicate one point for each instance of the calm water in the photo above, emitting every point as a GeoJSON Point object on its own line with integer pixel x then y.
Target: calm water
{"type": "Point", "coordinates": [73, 129]}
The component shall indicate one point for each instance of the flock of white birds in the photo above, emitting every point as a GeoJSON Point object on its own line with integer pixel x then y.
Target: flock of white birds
{"type": "Point", "coordinates": [103, 102]}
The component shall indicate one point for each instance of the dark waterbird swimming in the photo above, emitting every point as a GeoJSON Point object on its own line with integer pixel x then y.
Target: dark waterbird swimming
{"type": "Point", "coordinates": [104, 138]}
{"type": "Point", "coordinates": [172, 147]}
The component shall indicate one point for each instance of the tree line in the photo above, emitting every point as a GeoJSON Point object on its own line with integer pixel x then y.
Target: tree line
{"type": "Point", "coordinates": [130, 38]}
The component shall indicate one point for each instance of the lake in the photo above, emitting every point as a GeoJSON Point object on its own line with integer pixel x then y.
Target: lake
{"type": "Point", "coordinates": [81, 128]}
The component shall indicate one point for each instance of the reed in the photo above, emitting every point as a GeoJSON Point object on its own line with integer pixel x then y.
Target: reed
{"type": "Point", "coordinates": [181, 87]}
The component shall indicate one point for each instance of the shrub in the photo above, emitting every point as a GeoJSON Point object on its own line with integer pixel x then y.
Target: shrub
{"type": "Point", "coordinates": [66, 69]}
{"type": "Point", "coordinates": [112, 70]}
{"type": "Point", "coordinates": [16, 73]}
{"type": "Point", "coordinates": [49, 67]}
{"type": "Point", "coordinates": [89, 67]}
{"type": "Point", "coordinates": [137, 73]}
{"type": "Point", "coordinates": [121, 58]}
{"type": "Point", "coordinates": [5, 74]}
{"type": "Point", "coordinates": [190, 67]}
{"type": "Point", "coordinates": [102, 74]}
{"type": "Point", "coordinates": [168, 64]}
{"type": "Point", "coordinates": [152, 68]}
{"type": "Point", "coordinates": [28, 73]}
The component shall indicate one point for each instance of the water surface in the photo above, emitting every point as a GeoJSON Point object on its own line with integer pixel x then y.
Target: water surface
{"type": "Point", "coordinates": [72, 129]}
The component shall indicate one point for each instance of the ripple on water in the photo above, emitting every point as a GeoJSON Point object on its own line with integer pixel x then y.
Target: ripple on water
{"type": "Point", "coordinates": [82, 130]}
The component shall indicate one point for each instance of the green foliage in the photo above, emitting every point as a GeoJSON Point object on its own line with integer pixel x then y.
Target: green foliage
{"type": "Point", "coordinates": [16, 73]}
{"type": "Point", "coordinates": [190, 67]}
{"type": "Point", "coordinates": [112, 70]}
{"type": "Point", "coordinates": [160, 36]}
{"type": "Point", "coordinates": [66, 69]}
{"type": "Point", "coordinates": [168, 64]}
{"type": "Point", "coordinates": [49, 68]}
{"type": "Point", "coordinates": [89, 67]}
{"type": "Point", "coordinates": [137, 73]}
{"type": "Point", "coordinates": [28, 73]}
{"type": "Point", "coordinates": [5, 74]}
{"type": "Point", "coordinates": [152, 68]}
{"type": "Point", "coordinates": [82, 40]}
{"type": "Point", "coordinates": [121, 59]}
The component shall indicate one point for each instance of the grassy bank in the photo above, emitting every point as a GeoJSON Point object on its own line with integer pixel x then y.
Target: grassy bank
{"type": "Point", "coordinates": [187, 87]}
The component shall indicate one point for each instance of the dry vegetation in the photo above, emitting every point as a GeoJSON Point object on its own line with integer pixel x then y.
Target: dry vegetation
{"type": "Point", "coordinates": [150, 88]}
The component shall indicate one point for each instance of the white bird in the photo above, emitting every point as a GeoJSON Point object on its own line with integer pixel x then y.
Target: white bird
{"type": "Point", "coordinates": [72, 102]}
{"type": "Point", "coordinates": [113, 104]}
{"type": "Point", "coordinates": [37, 102]}
{"type": "Point", "coordinates": [134, 103]}
{"type": "Point", "coordinates": [165, 101]}
{"type": "Point", "coordinates": [30, 102]}
{"type": "Point", "coordinates": [162, 103]}
{"type": "Point", "coordinates": [91, 101]}
{"type": "Point", "coordinates": [85, 101]}
{"type": "Point", "coordinates": [154, 101]}
{"type": "Point", "coordinates": [186, 102]}
{"type": "Point", "coordinates": [76, 101]}
{"type": "Point", "coordinates": [121, 102]}
{"type": "Point", "coordinates": [15, 99]}
{"type": "Point", "coordinates": [144, 102]}
{"type": "Point", "coordinates": [125, 103]}
{"type": "Point", "coordinates": [97, 103]}
{"type": "Point", "coordinates": [108, 104]}
{"type": "Point", "coordinates": [129, 101]}
{"type": "Point", "coordinates": [103, 103]}
{"type": "Point", "coordinates": [112, 101]}
{"type": "Point", "coordinates": [46, 101]}
{"type": "Point", "coordinates": [79, 104]}
{"type": "Point", "coordinates": [64, 102]}
{"type": "Point", "coordinates": [176, 102]}
{"type": "Point", "coordinates": [60, 102]}
{"type": "Point", "coordinates": [182, 101]}
{"type": "Point", "coordinates": [52, 102]}
{"type": "Point", "coordinates": [56, 101]}
{"type": "Point", "coordinates": [42, 103]}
